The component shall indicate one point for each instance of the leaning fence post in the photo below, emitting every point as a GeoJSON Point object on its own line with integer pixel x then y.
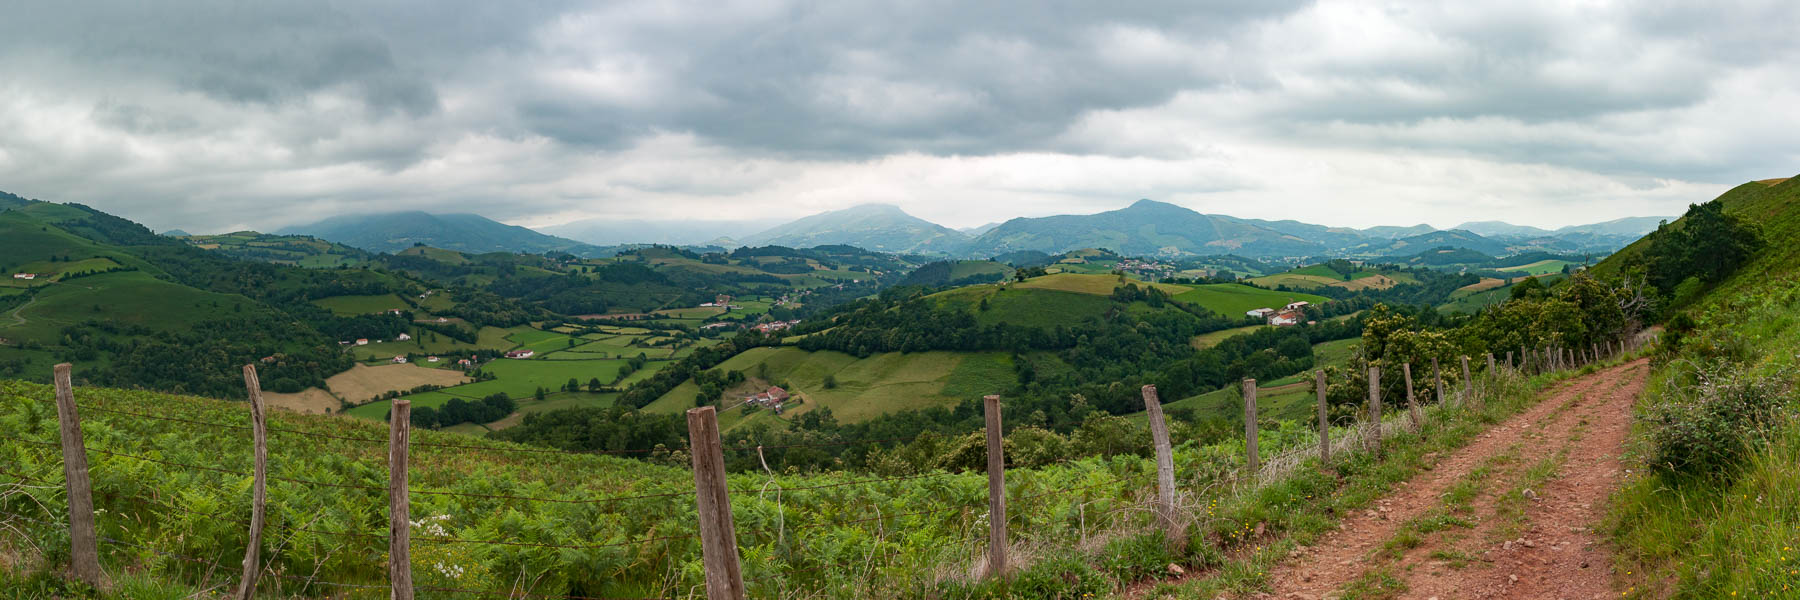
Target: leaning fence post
{"type": "Point", "coordinates": [1375, 408]}
{"type": "Point", "coordinates": [1250, 454]}
{"type": "Point", "coordinates": [84, 546]}
{"type": "Point", "coordinates": [996, 467]}
{"type": "Point", "coordinates": [718, 535]}
{"type": "Point", "coordinates": [1165, 462]}
{"type": "Point", "coordinates": [1324, 419]}
{"type": "Point", "coordinates": [1468, 382]}
{"type": "Point", "coordinates": [399, 507]}
{"type": "Point", "coordinates": [1438, 374]}
{"type": "Point", "coordinates": [259, 491]}
{"type": "Point", "coordinates": [1412, 402]}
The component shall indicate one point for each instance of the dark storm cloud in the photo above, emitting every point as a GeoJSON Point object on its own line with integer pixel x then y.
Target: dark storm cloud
{"type": "Point", "coordinates": [209, 112]}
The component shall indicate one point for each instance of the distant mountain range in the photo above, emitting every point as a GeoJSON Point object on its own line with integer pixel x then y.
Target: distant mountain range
{"type": "Point", "coordinates": [617, 232]}
{"type": "Point", "coordinates": [475, 234]}
{"type": "Point", "coordinates": [1145, 228]}
{"type": "Point", "coordinates": [882, 227]}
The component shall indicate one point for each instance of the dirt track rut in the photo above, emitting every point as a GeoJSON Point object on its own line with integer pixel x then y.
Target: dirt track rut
{"type": "Point", "coordinates": [1532, 488]}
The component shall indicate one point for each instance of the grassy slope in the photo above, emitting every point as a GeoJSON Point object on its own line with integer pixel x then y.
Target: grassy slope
{"type": "Point", "coordinates": [1233, 300]}
{"type": "Point", "coordinates": [867, 387]}
{"type": "Point", "coordinates": [1739, 538]}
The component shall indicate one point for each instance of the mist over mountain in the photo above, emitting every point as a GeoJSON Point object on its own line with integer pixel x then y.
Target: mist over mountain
{"type": "Point", "coordinates": [1147, 227]}
{"type": "Point", "coordinates": [393, 232]}
{"type": "Point", "coordinates": [882, 227]}
{"type": "Point", "coordinates": [614, 232]}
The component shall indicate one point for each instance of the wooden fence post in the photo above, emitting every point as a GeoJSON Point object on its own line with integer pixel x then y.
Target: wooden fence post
{"type": "Point", "coordinates": [1509, 362]}
{"type": "Point", "coordinates": [1594, 348]}
{"type": "Point", "coordinates": [1324, 419]}
{"type": "Point", "coordinates": [1165, 462]}
{"type": "Point", "coordinates": [996, 467]}
{"type": "Point", "coordinates": [1468, 380]}
{"type": "Point", "coordinates": [1250, 454]}
{"type": "Point", "coordinates": [1438, 374]}
{"type": "Point", "coordinates": [1490, 361]}
{"type": "Point", "coordinates": [399, 506]}
{"type": "Point", "coordinates": [259, 493]}
{"type": "Point", "coordinates": [84, 545]}
{"type": "Point", "coordinates": [1412, 403]}
{"type": "Point", "coordinates": [1375, 408]}
{"type": "Point", "coordinates": [718, 535]}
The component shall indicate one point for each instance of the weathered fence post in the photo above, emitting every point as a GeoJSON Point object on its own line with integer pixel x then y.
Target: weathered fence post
{"type": "Point", "coordinates": [1438, 374]}
{"type": "Point", "coordinates": [1594, 348]}
{"type": "Point", "coordinates": [1490, 363]}
{"type": "Point", "coordinates": [718, 535]}
{"type": "Point", "coordinates": [1509, 362]}
{"type": "Point", "coordinates": [259, 492]}
{"type": "Point", "coordinates": [1250, 455]}
{"type": "Point", "coordinates": [1375, 408]}
{"type": "Point", "coordinates": [1165, 462]}
{"type": "Point", "coordinates": [399, 506]}
{"type": "Point", "coordinates": [84, 546]}
{"type": "Point", "coordinates": [996, 467]}
{"type": "Point", "coordinates": [1324, 419]}
{"type": "Point", "coordinates": [1412, 403]}
{"type": "Point", "coordinates": [1468, 381]}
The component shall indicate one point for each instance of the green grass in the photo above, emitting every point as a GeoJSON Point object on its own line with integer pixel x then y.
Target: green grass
{"type": "Point", "coordinates": [125, 298]}
{"type": "Point", "coordinates": [361, 305]}
{"type": "Point", "coordinates": [1542, 267]}
{"type": "Point", "coordinates": [1208, 340]}
{"type": "Point", "coordinates": [867, 387]}
{"type": "Point", "coordinates": [516, 378]}
{"type": "Point", "coordinates": [1233, 300]}
{"type": "Point", "coordinates": [1736, 534]}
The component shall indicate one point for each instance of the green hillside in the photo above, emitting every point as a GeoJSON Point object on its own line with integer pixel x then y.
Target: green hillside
{"type": "Point", "coordinates": [296, 250]}
{"type": "Point", "coordinates": [862, 388]}
{"type": "Point", "coordinates": [1712, 514]}
{"type": "Point", "coordinates": [1233, 300]}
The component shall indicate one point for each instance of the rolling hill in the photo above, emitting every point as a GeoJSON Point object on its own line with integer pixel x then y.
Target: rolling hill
{"type": "Point", "coordinates": [881, 227]}
{"type": "Point", "coordinates": [617, 232]}
{"type": "Point", "coordinates": [393, 232]}
{"type": "Point", "coordinates": [1145, 228]}
{"type": "Point", "coordinates": [1453, 238]}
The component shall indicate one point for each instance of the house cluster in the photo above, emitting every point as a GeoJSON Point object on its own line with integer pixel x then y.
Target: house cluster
{"type": "Point", "coordinates": [1292, 314]}
{"type": "Point", "coordinates": [719, 300]}
{"type": "Point", "coordinates": [774, 398]}
{"type": "Point", "coordinates": [1146, 268]}
{"type": "Point", "coordinates": [774, 326]}
{"type": "Point", "coordinates": [718, 325]}
{"type": "Point", "coordinates": [400, 360]}
{"type": "Point", "coordinates": [25, 276]}
{"type": "Point", "coordinates": [526, 353]}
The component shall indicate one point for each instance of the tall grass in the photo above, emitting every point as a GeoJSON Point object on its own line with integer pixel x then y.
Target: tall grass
{"type": "Point", "coordinates": [1730, 526]}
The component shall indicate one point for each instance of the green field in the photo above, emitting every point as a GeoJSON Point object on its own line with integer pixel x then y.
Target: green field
{"type": "Point", "coordinates": [518, 379]}
{"type": "Point", "coordinates": [1233, 300]}
{"type": "Point", "coordinates": [1208, 340]}
{"type": "Point", "coordinates": [1473, 303]}
{"type": "Point", "coordinates": [1542, 267]}
{"type": "Point", "coordinates": [361, 305]}
{"type": "Point", "coordinates": [867, 387]}
{"type": "Point", "coordinates": [131, 297]}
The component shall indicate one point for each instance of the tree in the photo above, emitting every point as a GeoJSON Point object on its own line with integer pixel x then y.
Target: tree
{"type": "Point", "coordinates": [594, 385]}
{"type": "Point", "coordinates": [830, 382]}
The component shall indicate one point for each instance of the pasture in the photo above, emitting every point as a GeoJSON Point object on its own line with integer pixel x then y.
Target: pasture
{"type": "Point", "coordinates": [362, 382]}
{"type": "Point", "coordinates": [1542, 267]}
{"type": "Point", "coordinates": [361, 305]}
{"type": "Point", "coordinates": [129, 297]}
{"type": "Point", "coordinates": [1233, 299]}
{"type": "Point", "coordinates": [867, 387]}
{"type": "Point", "coordinates": [518, 379]}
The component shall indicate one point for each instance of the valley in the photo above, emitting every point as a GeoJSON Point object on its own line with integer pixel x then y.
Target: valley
{"type": "Point", "coordinates": [843, 362]}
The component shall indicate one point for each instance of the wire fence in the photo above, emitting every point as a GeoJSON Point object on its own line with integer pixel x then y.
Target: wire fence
{"type": "Point", "coordinates": [1144, 486]}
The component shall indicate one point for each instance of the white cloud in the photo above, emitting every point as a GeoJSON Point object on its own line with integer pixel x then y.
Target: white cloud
{"type": "Point", "coordinates": [1337, 112]}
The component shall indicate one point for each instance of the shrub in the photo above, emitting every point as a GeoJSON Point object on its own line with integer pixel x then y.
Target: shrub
{"type": "Point", "coordinates": [1707, 428]}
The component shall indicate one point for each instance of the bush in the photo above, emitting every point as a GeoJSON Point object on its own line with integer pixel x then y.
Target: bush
{"type": "Point", "coordinates": [1706, 429]}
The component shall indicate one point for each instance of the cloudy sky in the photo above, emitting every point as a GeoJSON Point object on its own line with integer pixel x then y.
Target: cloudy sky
{"type": "Point", "coordinates": [218, 115]}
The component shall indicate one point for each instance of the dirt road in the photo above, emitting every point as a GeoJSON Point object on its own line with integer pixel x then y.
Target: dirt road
{"type": "Point", "coordinates": [1508, 516]}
